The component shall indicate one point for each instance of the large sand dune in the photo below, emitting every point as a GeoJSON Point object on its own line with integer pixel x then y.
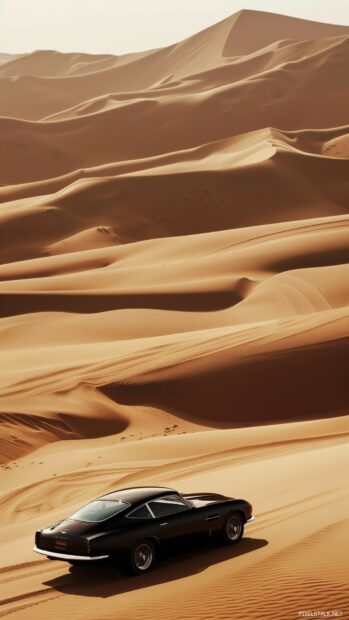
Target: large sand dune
{"type": "Point", "coordinates": [174, 268]}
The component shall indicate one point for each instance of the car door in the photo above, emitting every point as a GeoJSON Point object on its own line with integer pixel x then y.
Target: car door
{"type": "Point", "coordinates": [212, 517]}
{"type": "Point", "coordinates": [175, 519]}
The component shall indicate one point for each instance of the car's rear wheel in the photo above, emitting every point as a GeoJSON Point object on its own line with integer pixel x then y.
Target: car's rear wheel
{"type": "Point", "coordinates": [233, 529]}
{"type": "Point", "coordinates": [141, 557]}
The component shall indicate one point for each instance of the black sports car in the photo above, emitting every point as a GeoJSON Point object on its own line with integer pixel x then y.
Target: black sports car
{"type": "Point", "coordinates": [133, 524]}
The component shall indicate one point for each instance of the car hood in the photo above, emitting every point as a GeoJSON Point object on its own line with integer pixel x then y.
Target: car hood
{"type": "Point", "coordinates": [209, 497]}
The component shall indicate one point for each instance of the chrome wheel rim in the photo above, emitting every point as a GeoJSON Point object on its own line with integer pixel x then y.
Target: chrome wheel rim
{"type": "Point", "coordinates": [143, 556]}
{"type": "Point", "coordinates": [234, 528]}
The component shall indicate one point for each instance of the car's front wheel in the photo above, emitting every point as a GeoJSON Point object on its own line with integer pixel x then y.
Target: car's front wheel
{"type": "Point", "coordinates": [141, 557]}
{"type": "Point", "coordinates": [233, 529]}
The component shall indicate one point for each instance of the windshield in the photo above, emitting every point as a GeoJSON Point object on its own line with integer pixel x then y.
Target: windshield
{"type": "Point", "coordinates": [99, 510]}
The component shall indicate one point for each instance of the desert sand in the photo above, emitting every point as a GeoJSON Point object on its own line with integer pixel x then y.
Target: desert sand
{"type": "Point", "coordinates": [174, 310]}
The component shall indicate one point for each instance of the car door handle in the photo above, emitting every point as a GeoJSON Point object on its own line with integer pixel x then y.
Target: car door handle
{"type": "Point", "coordinates": [161, 524]}
{"type": "Point", "coordinates": [212, 517]}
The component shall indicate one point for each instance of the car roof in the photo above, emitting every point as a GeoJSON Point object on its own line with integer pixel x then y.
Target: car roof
{"type": "Point", "coordinates": [137, 495]}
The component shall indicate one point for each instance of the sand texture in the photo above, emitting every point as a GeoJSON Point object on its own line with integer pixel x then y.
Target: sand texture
{"type": "Point", "coordinates": [174, 310]}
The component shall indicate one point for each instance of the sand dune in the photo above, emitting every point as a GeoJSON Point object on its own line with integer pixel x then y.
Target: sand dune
{"type": "Point", "coordinates": [174, 269]}
{"type": "Point", "coordinates": [289, 93]}
{"type": "Point", "coordinates": [219, 181]}
{"type": "Point", "coordinates": [81, 76]}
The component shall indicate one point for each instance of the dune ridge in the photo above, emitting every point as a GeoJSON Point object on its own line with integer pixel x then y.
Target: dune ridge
{"type": "Point", "coordinates": [63, 145]}
{"type": "Point", "coordinates": [174, 310]}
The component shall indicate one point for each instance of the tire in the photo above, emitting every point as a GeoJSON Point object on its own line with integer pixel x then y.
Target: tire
{"type": "Point", "coordinates": [233, 529]}
{"type": "Point", "coordinates": [141, 557]}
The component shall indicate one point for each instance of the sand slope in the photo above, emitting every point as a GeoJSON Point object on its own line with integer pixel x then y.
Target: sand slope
{"type": "Point", "coordinates": [293, 556]}
{"type": "Point", "coordinates": [174, 309]}
{"type": "Point", "coordinates": [163, 122]}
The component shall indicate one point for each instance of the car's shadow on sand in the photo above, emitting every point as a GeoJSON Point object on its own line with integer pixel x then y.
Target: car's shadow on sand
{"type": "Point", "coordinates": [106, 580]}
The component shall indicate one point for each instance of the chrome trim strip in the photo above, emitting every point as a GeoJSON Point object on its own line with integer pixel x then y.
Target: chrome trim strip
{"type": "Point", "coordinates": [66, 556]}
{"type": "Point", "coordinates": [150, 510]}
{"type": "Point", "coordinates": [250, 519]}
{"type": "Point", "coordinates": [186, 501]}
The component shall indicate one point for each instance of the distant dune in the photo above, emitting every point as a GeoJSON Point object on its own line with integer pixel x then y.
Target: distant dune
{"type": "Point", "coordinates": [174, 268]}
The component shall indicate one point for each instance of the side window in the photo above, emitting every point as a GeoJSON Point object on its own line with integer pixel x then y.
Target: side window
{"type": "Point", "coordinates": [140, 513]}
{"type": "Point", "coordinates": [171, 504]}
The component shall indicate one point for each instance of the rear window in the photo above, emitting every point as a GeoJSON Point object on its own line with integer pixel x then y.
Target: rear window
{"type": "Point", "coordinates": [99, 510]}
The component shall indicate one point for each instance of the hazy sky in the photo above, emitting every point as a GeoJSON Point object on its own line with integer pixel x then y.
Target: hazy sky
{"type": "Point", "coordinates": [120, 26]}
